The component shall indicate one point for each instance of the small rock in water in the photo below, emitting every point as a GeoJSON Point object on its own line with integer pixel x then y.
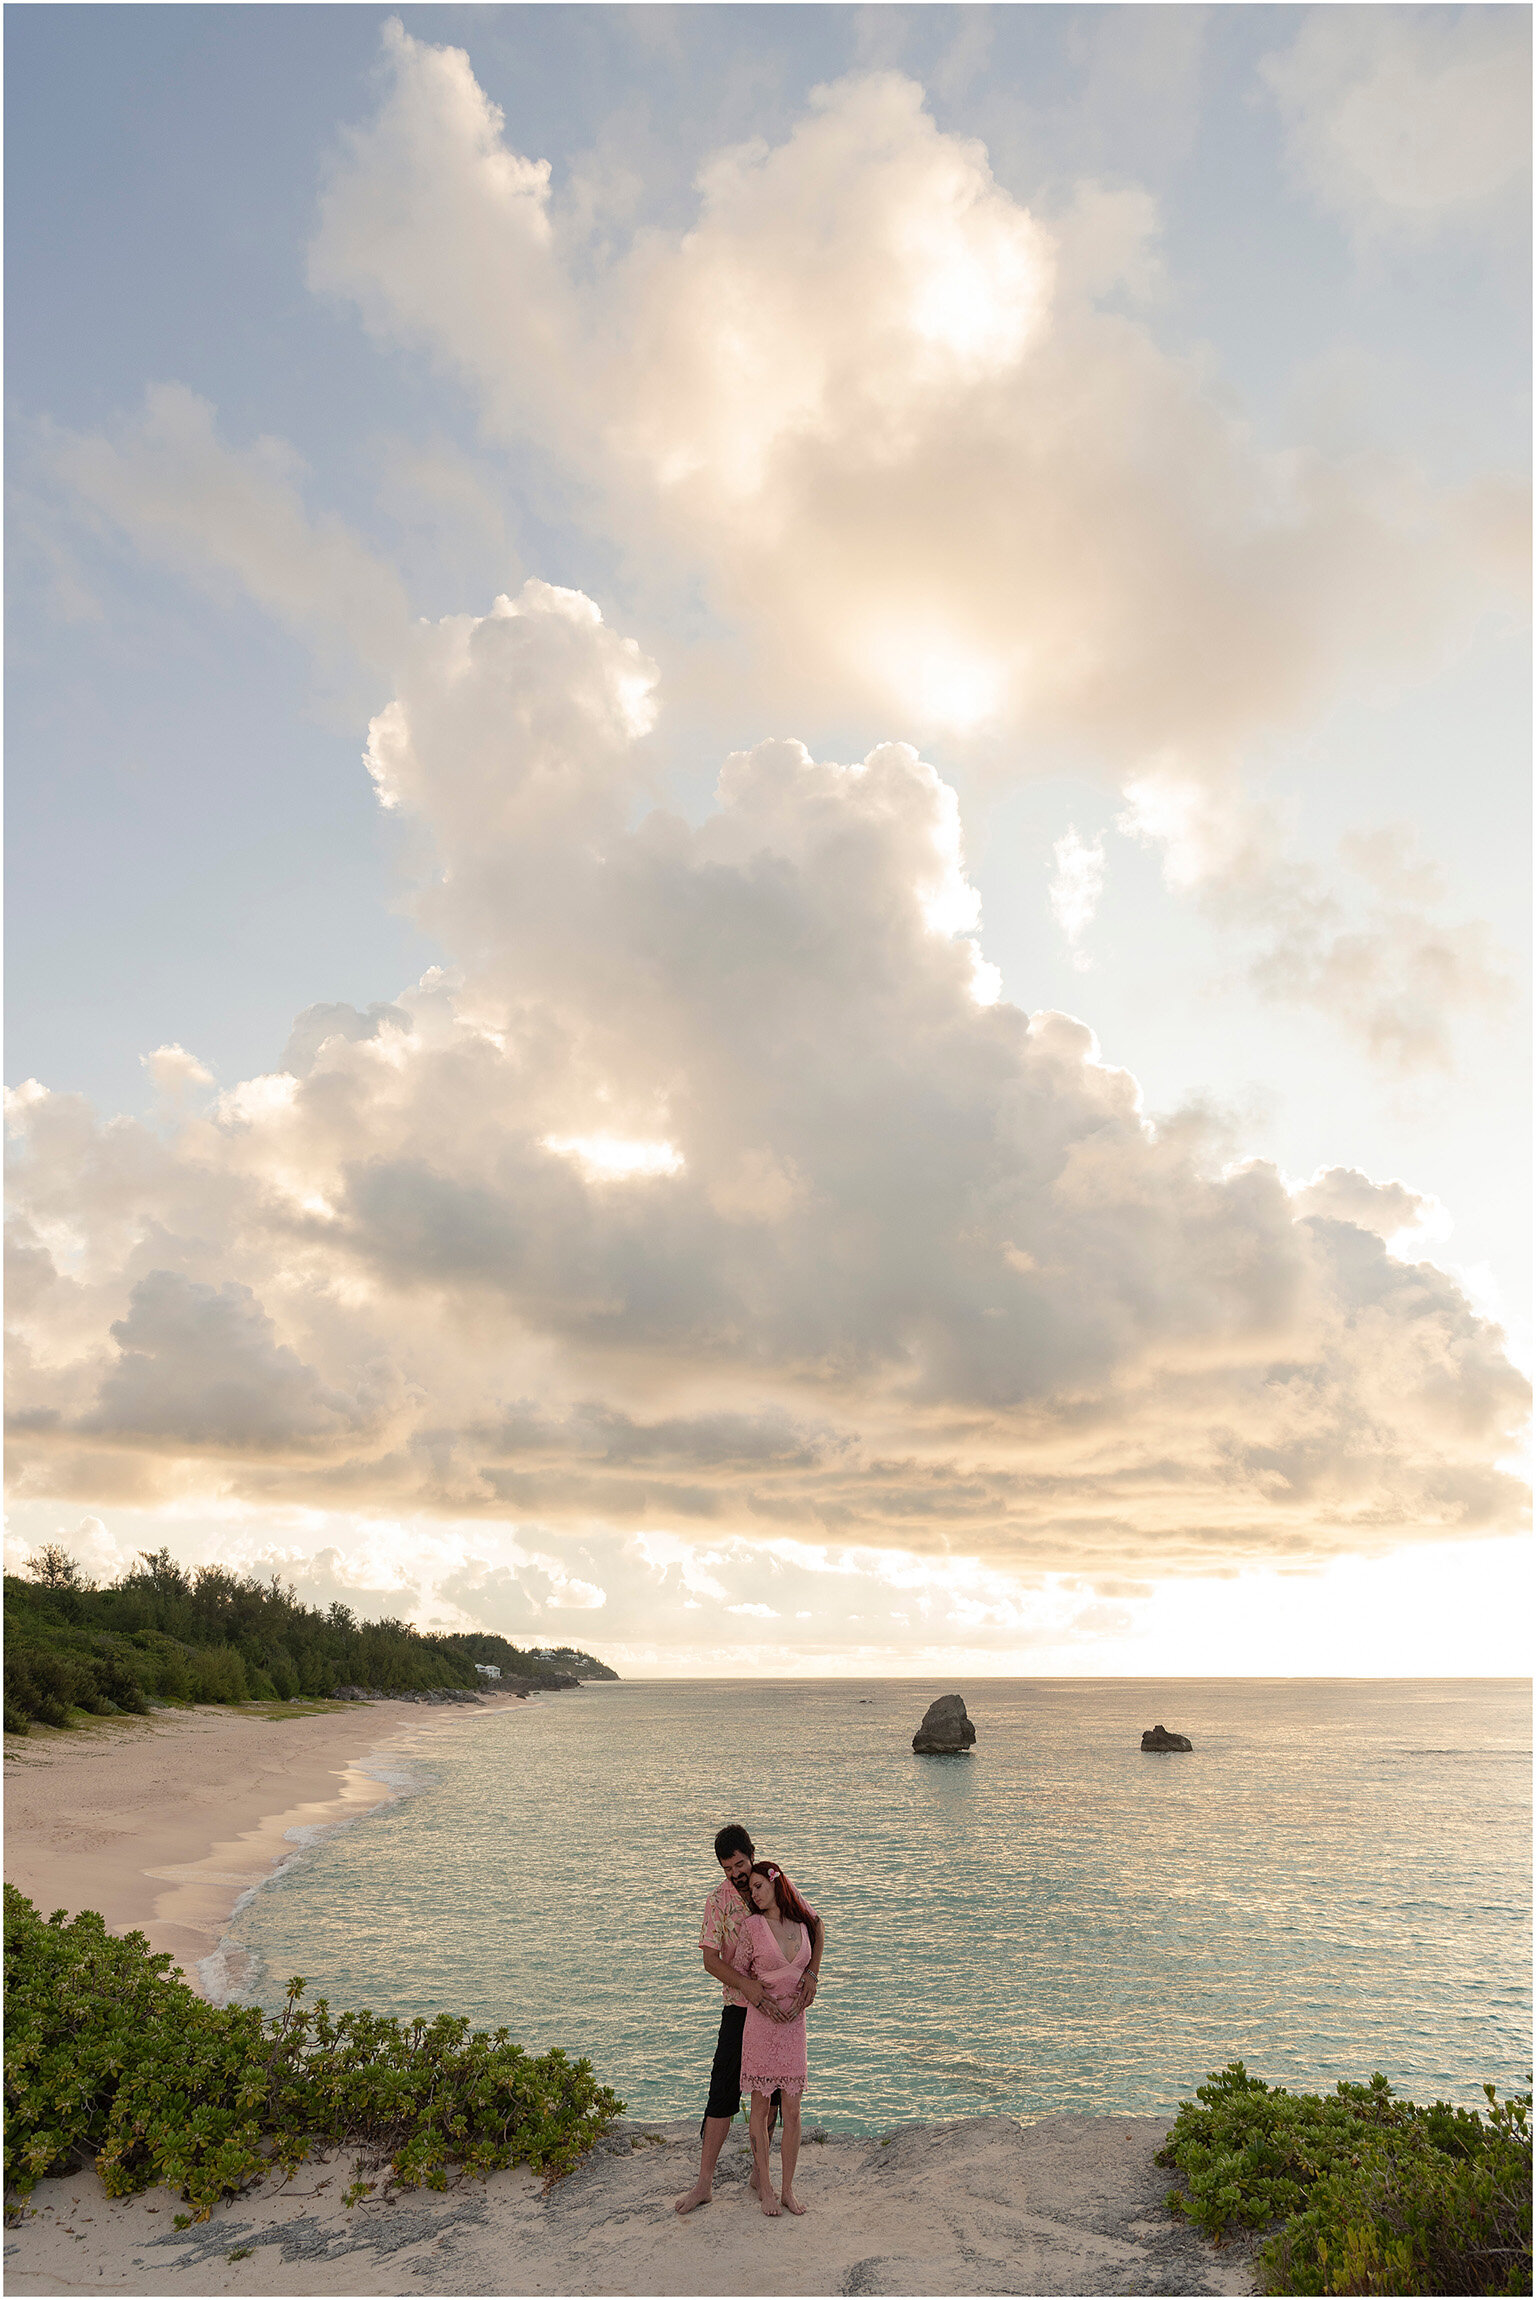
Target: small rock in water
{"type": "Point", "coordinates": [945, 1731]}
{"type": "Point", "coordinates": [1160, 1738]}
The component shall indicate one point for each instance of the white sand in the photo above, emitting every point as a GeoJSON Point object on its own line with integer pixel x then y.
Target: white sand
{"type": "Point", "coordinates": [1069, 2205]}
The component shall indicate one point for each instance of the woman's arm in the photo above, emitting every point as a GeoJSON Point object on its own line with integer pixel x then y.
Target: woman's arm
{"type": "Point", "coordinates": [805, 1994]}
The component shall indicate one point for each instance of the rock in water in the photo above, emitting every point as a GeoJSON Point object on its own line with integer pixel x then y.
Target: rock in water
{"type": "Point", "coordinates": [945, 1731]}
{"type": "Point", "coordinates": [1161, 1738]}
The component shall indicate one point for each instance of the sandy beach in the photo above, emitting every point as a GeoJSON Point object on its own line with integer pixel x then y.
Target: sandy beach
{"type": "Point", "coordinates": [161, 1823]}
{"type": "Point", "coordinates": [1072, 2204]}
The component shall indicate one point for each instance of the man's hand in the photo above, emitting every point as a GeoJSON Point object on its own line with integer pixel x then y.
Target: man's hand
{"type": "Point", "coordinates": [804, 1995]}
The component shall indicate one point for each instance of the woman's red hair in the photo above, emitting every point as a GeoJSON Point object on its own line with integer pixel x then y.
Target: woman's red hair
{"type": "Point", "coordinates": [791, 1906]}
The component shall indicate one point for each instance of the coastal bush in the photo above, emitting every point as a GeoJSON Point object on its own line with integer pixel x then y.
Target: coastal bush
{"type": "Point", "coordinates": [110, 2057]}
{"type": "Point", "coordinates": [1371, 2193]}
{"type": "Point", "coordinates": [46, 1682]}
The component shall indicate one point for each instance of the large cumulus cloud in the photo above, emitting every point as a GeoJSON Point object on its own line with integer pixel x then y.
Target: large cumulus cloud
{"type": "Point", "coordinates": [921, 451]}
{"type": "Point", "coordinates": [920, 441]}
{"type": "Point", "coordinates": [718, 1188]}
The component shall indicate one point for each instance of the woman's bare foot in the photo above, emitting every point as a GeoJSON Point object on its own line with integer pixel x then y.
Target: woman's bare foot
{"type": "Point", "coordinates": [770, 2205]}
{"type": "Point", "coordinates": [696, 2195]}
{"type": "Point", "coordinates": [788, 2201]}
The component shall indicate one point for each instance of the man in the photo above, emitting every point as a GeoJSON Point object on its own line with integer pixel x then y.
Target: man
{"type": "Point", "coordinates": [725, 1913]}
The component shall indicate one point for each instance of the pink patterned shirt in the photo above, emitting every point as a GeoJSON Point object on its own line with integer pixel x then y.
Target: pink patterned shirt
{"type": "Point", "coordinates": [725, 1917]}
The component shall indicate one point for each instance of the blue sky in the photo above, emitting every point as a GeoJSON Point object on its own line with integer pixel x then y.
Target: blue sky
{"type": "Point", "coordinates": [1245, 650]}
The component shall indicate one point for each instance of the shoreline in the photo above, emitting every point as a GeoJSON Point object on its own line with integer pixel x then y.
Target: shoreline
{"type": "Point", "coordinates": [167, 1824]}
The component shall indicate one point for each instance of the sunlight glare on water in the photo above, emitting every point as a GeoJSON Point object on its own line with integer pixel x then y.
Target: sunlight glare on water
{"type": "Point", "coordinates": [1336, 1880]}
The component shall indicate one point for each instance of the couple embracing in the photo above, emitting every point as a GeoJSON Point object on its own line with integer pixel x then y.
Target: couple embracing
{"type": "Point", "coordinates": [763, 1944]}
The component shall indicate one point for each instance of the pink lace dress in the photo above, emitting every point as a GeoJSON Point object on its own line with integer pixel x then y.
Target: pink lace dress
{"type": "Point", "coordinates": [772, 2051]}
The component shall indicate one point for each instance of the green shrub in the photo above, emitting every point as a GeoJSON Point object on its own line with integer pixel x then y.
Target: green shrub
{"type": "Point", "coordinates": [108, 2055]}
{"type": "Point", "coordinates": [47, 1681]}
{"type": "Point", "coordinates": [1371, 2193]}
{"type": "Point", "coordinates": [218, 1674]}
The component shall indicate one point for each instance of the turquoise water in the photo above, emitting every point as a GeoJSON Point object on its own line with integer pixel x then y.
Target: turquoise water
{"type": "Point", "coordinates": [1336, 1881]}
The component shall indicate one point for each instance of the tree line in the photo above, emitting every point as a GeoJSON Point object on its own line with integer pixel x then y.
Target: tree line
{"type": "Point", "coordinates": [167, 1633]}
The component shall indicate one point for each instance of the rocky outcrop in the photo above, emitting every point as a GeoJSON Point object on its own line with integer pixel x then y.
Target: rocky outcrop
{"type": "Point", "coordinates": [945, 1731]}
{"type": "Point", "coordinates": [1160, 1738]}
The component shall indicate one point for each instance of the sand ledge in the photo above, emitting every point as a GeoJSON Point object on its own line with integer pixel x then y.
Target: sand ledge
{"type": "Point", "coordinates": [1071, 2204]}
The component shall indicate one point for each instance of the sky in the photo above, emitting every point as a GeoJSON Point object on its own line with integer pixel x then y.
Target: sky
{"type": "Point", "coordinates": [768, 825]}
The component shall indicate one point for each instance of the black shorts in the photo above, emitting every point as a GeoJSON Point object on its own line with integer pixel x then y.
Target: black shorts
{"type": "Point", "coordinates": [725, 2075]}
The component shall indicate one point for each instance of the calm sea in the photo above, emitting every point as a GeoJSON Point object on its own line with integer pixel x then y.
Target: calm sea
{"type": "Point", "coordinates": [1336, 1881]}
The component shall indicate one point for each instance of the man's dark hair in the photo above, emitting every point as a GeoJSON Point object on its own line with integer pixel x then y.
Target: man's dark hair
{"type": "Point", "coordinates": [731, 1839]}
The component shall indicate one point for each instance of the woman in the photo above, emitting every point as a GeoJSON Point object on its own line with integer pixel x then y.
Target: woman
{"type": "Point", "coordinates": [776, 1950]}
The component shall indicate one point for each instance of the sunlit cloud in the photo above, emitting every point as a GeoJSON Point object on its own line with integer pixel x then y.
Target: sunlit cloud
{"type": "Point", "coordinates": [1076, 886]}
{"type": "Point", "coordinates": [899, 1263]}
{"type": "Point", "coordinates": [610, 1157]}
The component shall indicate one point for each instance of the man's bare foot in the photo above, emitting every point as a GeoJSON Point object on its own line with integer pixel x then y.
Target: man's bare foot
{"type": "Point", "coordinates": [770, 2205]}
{"type": "Point", "coordinates": [696, 2196]}
{"type": "Point", "coordinates": [789, 2203]}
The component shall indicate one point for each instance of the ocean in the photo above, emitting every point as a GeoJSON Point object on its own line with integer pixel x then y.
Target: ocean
{"type": "Point", "coordinates": [1335, 1881]}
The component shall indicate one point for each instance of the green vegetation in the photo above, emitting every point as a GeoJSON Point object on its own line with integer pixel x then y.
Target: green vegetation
{"type": "Point", "coordinates": [562, 1661]}
{"type": "Point", "coordinates": [109, 2057]}
{"type": "Point", "coordinates": [162, 1634]}
{"type": "Point", "coordinates": [1371, 2193]}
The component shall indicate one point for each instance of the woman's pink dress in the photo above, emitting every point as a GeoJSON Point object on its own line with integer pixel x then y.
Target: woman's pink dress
{"type": "Point", "coordinates": [772, 2051]}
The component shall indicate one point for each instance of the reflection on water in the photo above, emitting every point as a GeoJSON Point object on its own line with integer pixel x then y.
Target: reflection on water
{"type": "Point", "coordinates": [1336, 1880]}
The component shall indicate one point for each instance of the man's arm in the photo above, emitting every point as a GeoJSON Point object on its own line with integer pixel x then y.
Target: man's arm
{"type": "Point", "coordinates": [744, 1984]}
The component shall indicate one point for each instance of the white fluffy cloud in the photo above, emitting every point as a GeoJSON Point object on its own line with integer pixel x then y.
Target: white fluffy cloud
{"type": "Point", "coordinates": [175, 1072]}
{"type": "Point", "coordinates": [1406, 117]}
{"type": "Point", "coordinates": [916, 1272]}
{"type": "Point", "coordinates": [881, 408]}
{"type": "Point", "coordinates": [1390, 1210]}
{"type": "Point", "coordinates": [875, 400]}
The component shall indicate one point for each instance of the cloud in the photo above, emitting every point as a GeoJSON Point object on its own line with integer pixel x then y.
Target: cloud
{"type": "Point", "coordinates": [1076, 887]}
{"type": "Point", "coordinates": [917, 1275]}
{"type": "Point", "coordinates": [187, 500]}
{"type": "Point", "coordinates": [926, 474]}
{"type": "Point", "coordinates": [1387, 971]}
{"type": "Point", "coordinates": [904, 432]}
{"type": "Point", "coordinates": [201, 1365]}
{"type": "Point", "coordinates": [1406, 118]}
{"type": "Point", "coordinates": [175, 1072]}
{"type": "Point", "coordinates": [89, 1543]}
{"type": "Point", "coordinates": [318, 1025]}
{"type": "Point", "coordinates": [1389, 1209]}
